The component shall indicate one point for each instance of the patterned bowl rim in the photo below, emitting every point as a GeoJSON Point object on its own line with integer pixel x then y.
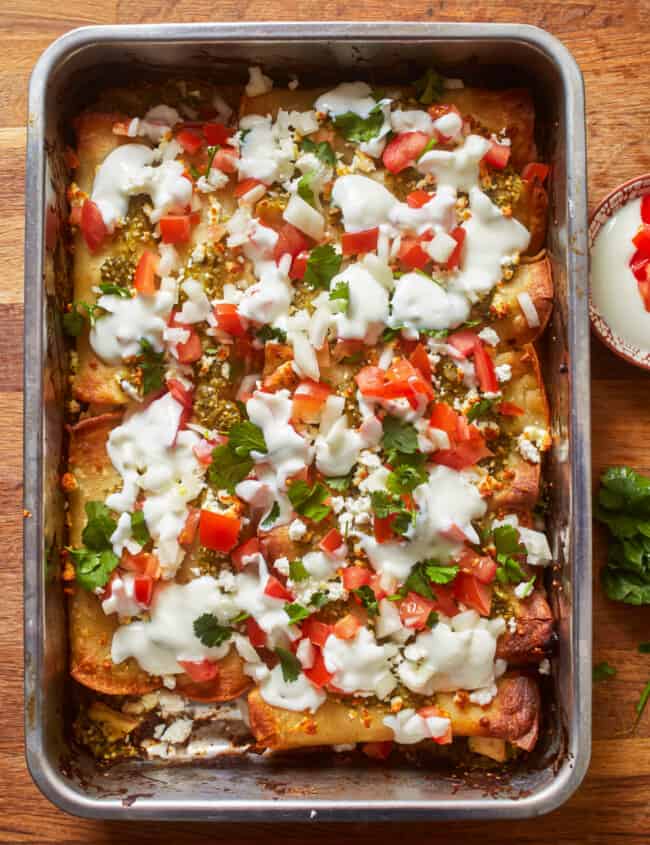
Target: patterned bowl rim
{"type": "Point", "coordinates": [633, 188]}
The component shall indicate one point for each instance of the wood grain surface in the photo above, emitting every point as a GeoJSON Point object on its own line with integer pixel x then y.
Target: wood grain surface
{"type": "Point", "coordinates": [609, 40]}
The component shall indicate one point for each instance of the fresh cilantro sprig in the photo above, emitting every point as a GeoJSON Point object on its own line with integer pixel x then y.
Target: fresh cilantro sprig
{"type": "Point", "coordinates": [289, 664]}
{"type": "Point", "coordinates": [602, 671]}
{"type": "Point", "coordinates": [113, 289]}
{"type": "Point", "coordinates": [305, 187]}
{"type": "Point", "coordinates": [368, 599]}
{"type": "Point", "coordinates": [387, 505]}
{"type": "Point", "coordinates": [308, 500]}
{"type": "Point", "coordinates": [429, 88]}
{"type": "Point", "coordinates": [509, 550]}
{"type": "Point", "coordinates": [296, 612]}
{"type": "Point", "coordinates": [231, 462]}
{"type": "Point", "coordinates": [405, 478]}
{"type": "Point", "coordinates": [340, 297]}
{"type": "Point", "coordinates": [96, 560]}
{"type": "Point", "coordinates": [323, 264]}
{"type": "Point", "coordinates": [480, 409]}
{"type": "Point", "coordinates": [270, 333]}
{"type": "Point", "coordinates": [272, 515]}
{"type": "Point", "coordinates": [74, 320]}
{"type": "Point", "coordinates": [152, 365]}
{"type": "Point", "coordinates": [340, 483]}
{"type": "Point", "coordinates": [321, 150]}
{"type": "Point", "coordinates": [297, 571]}
{"type": "Point", "coordinates": [139, 530]}
{"type": "Point", "coordinates": [399, 436]}
{"type": "Point", "coordinates": [210, 631]}
{"type": "Point", "coordinates": [357, 129]}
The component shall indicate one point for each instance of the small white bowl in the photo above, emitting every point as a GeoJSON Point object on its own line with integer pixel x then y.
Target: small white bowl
{"type": "Point", "coordinates": [634, 188]}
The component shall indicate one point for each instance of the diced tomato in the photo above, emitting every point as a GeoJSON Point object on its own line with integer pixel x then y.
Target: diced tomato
{"type": "Point", "coordinates": [246, 186]}
{"type": "Point", "coordinates": [144, 563]}
{"type": "Point", "coordinates": [290, 240]}
{"type": "Point", "coordinates": [428, 712]}
{"type": "Point", "coordinates": [497, 156]}
{"type": "Point", "coordinates": [642, 239]}
{"type": "Point", "coordinates": [534, 170]}
{"type": "Point", "coordinates": [418, 198]}
{"type": "Point", "coordinates": [93, 228]}
{"type": "Point", "coordinates": [355, 576]}
{"type": "Point", "coordinates": [473, 593]}
{"type": "Point", "coordinates": [644, 290]}
{"type": "Point", "coordinates": [317, 632]}
{"type": "Point", "coordinates": [218, 531]}
{"type": "Point", "coordinates": [464, 341]}
{"type": "Point", "coordinates": [181, 393]}
{"type": "Point", "coordinates": [188, 532]}
{"type": "Point", "coordinates": [175, 228]}
{"type": "Point", "coordinates": [444, 599]}
{"type": "Point", "coordinates": [347, 627]}
{"type": "Point", "coordinates": [190, 140]}
{"type": "Point", "coordinates": [371, 380]}
{"type": "Point", "coordinates": [458, 234]}
{"type": "Point", "coordinates": [645, 208]}
{"type": "Point", "coordinates": [200, 670]}
{"type": "Point", "coordinates": [225, 159]}
{"type": "Point", "coordinates": [228, 319]}
{"type": "Point", "coordinates": [346, 349]}
{"type": "Point", "coordinates": [191, 350]}
{"type": "Point", "coordinates": [203, 451]}
{"type": "Point", "coordinates": [485, 371]}
{"type": "Point", "coordinates": [145, 273]}
{"type": "Point", "coordinates": [356, 243]}
{"type": "Point", "coordinates": [420, 359]}
{"type": "Point", "coordinates": [454, 534]}
{"type": "Point", "coordinates": [216, 134]}
{"type": "Point", "coordinates": [638, 264]}
{"type": "Point", "coordinates": [331, 542]}
{"type": "Point", "coordinates": [378, 750]}
{"type": "Point", "coordinates": [318, 674]}
{"type": "Point", "coordinates": [277, 590]}
{"type": "Point", "coordinates": [299, 265]}
{"type": "Point", "coordinates": [482, 567]}
{"type": "Point", "coordinates": [463, 454]}
{"type": "Point", "coordinates": [509, 409]}
{"type": "Point", "coordinates": [247, 549]}
{"type": "Point", "coordinates": [255, 634]}
{"type": "Point", "coordinates": [383, 529]}
{"type": "Point", "coordinates": [414, 611]}
{"type": "Point", "coordinates": [412, 255]}
{"type": "Point", "coordinates": [444, 418]}
{"type": "Point", "coordinates": [309, 399]}
{"type": "Point", "coordinates": [143, 589]}
{"type": "Point", "coordinates": [403, 150]}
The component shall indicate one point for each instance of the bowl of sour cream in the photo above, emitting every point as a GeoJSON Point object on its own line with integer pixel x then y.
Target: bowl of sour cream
{"type": "Point", "coordinates": [619, 295]}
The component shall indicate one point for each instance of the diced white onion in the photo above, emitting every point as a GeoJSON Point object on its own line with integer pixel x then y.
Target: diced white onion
{"type": "Point", "coordinates": [301, 215]}
{"type": "Point", "coordinates": [528, 307]}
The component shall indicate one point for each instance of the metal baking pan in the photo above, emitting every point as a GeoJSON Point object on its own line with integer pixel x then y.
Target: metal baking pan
{"type": "Point", "coordinates": [65, 79]}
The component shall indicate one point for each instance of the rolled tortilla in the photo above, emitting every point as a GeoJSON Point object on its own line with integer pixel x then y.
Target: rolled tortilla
{"type": "Point", "coordinates": [513, 715]}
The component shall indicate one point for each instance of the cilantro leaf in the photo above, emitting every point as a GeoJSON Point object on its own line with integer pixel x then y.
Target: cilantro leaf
{"type": "Point", "coordinates": [305, 189]}
{"type": "Point", "coordinates": [641, 705]}
{"type": "Point", "coordinates": [93, 568]}
{"type": "Point", "coordinates": [273, 514]}
{"type": "Point", "coordinates": [308, 501]}
{"type": "Point", "coordinates": [290, 665]}
{"type": "Point", "coordinates": [340, 297]}
{"type": "Point", "coordinates": [432, 619]}
{"type": "Point", "coordinates": [227, 469]}
{"type": "Point", "coordinates": [322, 151]}
{"type": "Point", "coordinates": [389, 334]}
{"type": "Point", "coordinates": [296, 613]}
{"type": "Point", "coordinates": [73, 322]}
{"type": "Point", "coordinates": [384, 505]}
{"type": "Point", "coordinates": [139, 529]}
{"type": "Point", "coordinates": [509, 571]}
{"type": "Point", "coordinates": [479, 409]}
{"type": "Point", "coordinates": [429, 88]}
{"type": "Point", "coordinates": [405, 478]}
{"type": "Point", "coordinates": [644, 648]}
{"type": "Point", "coordinates": [152, 366]}
{"type": "Point", "coordinates": [418, 582]}
{"type": "Point", "coordinates": [368, 599]}
{"type": "Point", "coordinates": [602, 671]}
{"type": "Point", "coordinates": [246, 437]}
{"type": "Point", "coordinates": [267, 333]}
{"type": "Point", "coordinates": [113, 289]}
{"type": "Point", "coordinates": [100, 525]}
{"type": "Point", "coordinates": [440, 574]}
{"type": "Point", "coordinates": [212, 151]}
{"type": "Point", "coordinates": [340, 483]}
{"type": "Point", "coordinates": [431, 143]}
{"type": "Point", "coordinates": [319, 600]}
{"type": "Point", "coordinates": [355, 128]}
{"type": "Point", "coordinates": [506, 540]}
{"type": "Point", "coordinates": [322, 265]}
{"type": "Point", "coordinates": [399, 436]}
{"type": "Point", "coordinates": [297, 571]}
{"type": "Point", "coordinates": [210, 631]}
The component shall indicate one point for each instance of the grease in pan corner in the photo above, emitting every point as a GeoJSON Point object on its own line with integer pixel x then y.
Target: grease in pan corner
{"type": "Point", "coordinates": [311, 420]}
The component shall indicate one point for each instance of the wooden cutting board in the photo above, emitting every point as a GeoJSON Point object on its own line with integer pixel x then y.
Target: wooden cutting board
{"type": "Point", "coordinates": [609, 39]}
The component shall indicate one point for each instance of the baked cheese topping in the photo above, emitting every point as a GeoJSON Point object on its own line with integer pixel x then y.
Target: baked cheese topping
{"type": "Point", "coordinates": [318, 426]}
